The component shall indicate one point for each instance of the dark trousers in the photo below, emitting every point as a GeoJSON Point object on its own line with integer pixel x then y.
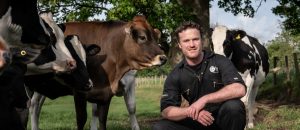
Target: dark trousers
{"type": "Point", "coordinates": [230, 116]}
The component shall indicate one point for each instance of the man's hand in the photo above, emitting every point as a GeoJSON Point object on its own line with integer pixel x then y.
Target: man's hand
{"type": "Point", "coordinates": [194, 110]}
{"type": "Point", "coordinates": [205, 118]}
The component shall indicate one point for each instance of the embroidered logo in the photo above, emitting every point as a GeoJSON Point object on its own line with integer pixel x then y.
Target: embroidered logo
{"type": "Point", "coordinates": [213, 69]}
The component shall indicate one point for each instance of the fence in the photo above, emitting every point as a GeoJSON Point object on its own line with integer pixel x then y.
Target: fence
{"type": "Point", "coordinates": [286, 67]}
{"type": "Point", "coordinates": [154, 81]}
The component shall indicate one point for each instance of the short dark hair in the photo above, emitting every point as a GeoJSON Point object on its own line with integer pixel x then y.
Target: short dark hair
{"type": "Point", "coordinates": [186, 25]}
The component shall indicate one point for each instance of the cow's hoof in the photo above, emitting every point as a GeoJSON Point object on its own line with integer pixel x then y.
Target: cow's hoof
{"type": "Point", "coordinates": [250, 125]}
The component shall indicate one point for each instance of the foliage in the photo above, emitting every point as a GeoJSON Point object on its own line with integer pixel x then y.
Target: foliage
{"type": "Point", "coordinates": [73, 10]}
{"type": "Point", "coordinates": [162, 14]}
{"type": "Point", "coordinates": [283, 45]}
{"type": "Point", "coordinates": [238, 6]}
{"type": "Point", "coordinates": [289, 9]}
{"type": "Point", "coordinates": [157, 71]}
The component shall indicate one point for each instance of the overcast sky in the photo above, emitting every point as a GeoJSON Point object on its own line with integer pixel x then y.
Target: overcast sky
{"type": "Point", "coordinates": [264, 25]}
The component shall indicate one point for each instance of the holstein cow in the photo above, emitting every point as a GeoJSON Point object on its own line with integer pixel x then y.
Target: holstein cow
{"type": "Point", "coordinates": [54, 85]}
{"type": "Point", "coordinates": [124, 46]}
{"type": "Point", "coordinates": [67, 55]}
{"type": "Point", "coordinates": [29, 36]}
{"type": "Point", "coordinates": [46, 82]}
{"type": "Point", "coordinates": [249, 57]}
{"type": "Point", "coordinates": [56, 57]}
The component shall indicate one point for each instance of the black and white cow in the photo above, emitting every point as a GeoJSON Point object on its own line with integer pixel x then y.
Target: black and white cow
{"type": "Point", "coordinates": [56, 57]}
{"type": "Point", "coordinates": [22, 31]}
{"type": "Point", "coordinates": [54, 85]}
{"type": "Point", "coordinates": [23, 35]}
{"type": "Point", "coordinates": [249, 57]}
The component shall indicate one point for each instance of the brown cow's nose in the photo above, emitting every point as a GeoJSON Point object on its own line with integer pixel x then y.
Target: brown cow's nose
{"type": "Point", "coordinates": [163, 59]}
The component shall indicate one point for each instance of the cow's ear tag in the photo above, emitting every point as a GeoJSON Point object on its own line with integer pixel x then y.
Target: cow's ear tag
{"type": "Point", "coordinates": [23, 52]}
{"type": "Point", "coordinates": [238, 37]}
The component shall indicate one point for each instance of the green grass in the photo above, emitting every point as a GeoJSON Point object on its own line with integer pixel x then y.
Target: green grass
{"type": "Point", "coordinates": [59, 114]}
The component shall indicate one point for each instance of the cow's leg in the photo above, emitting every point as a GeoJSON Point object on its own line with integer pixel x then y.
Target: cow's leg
{"type": "Point", "coordinates": [129, 98]}
{"type": "Point", "coordinates": [94, 117]}
{"type": "Point", "coordinates": [102, 108]}
{"type": "Point", "coordinates": [251, 107]}
{"type": "Point", "coordinates": [81, 114]}
{"type": "Point", "coordinates": [249, 81]}
{"type": "Point", "coordinates": [37, 101]}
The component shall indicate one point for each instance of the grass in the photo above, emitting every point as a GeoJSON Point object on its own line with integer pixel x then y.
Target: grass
{"type": "Point", "coordinates": [59, 114]}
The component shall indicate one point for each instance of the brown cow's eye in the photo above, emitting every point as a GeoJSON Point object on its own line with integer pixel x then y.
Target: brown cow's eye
{"type": "Point", "coordinates": [143, 38]}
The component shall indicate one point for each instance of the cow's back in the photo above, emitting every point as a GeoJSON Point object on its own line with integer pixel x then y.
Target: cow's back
{"type": "Point", "coordinates": [100, 33]}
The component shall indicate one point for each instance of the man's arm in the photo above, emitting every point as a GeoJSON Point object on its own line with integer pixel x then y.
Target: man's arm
{"type": "Point", "coordinates": [174, 113]}
{"type": "Point", "coordinates": [231, 91]}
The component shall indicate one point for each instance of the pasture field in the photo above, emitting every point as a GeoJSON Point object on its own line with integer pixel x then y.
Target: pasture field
{"type": "Point", "coordinates": [59, 114]}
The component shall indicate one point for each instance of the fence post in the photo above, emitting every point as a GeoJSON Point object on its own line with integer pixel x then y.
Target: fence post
{"type": "Point", "coordinates": [296, 64]}
{"type": "Point", "coordinates": [287, 70]}
{"type": "Point", "coordinates": [274, 74]}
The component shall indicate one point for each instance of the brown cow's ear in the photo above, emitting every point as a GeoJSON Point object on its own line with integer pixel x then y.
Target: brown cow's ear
{"type": "Point", "coordinates": [128, 28]}
{"type": "Point", "coordinates": [158, 33]}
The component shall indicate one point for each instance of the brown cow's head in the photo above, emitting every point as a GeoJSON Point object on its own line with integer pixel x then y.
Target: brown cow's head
{"type": "Point", "coordinates": [141, 44]}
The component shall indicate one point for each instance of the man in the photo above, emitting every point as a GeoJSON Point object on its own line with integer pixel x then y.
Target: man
{"type": "Point", "coordinates": [208, 81]}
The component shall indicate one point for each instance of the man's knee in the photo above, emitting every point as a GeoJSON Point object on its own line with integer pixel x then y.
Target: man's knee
{"type": "Point", "coordinates": [160, 125]}
{"type": "Point", "coordinates": [234, 106]}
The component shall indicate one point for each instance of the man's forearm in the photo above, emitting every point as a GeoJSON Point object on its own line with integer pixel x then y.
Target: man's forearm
{"type": "Point", "coordinates": [174, 113]}
{"type": "Point", "coordinates": [235, 90]}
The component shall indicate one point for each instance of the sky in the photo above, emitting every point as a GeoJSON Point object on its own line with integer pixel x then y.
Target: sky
{"type": "Point", "coordinates": [264, 25]}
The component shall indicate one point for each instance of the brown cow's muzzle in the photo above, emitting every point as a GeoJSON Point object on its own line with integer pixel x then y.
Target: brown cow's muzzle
{"type": "Point", "coordinates": [163, 59]}
{"type": "Point", "coordinates": [159, 60]}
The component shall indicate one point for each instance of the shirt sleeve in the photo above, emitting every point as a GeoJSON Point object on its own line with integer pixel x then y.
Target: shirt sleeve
{"type": "Point", "coordinates": [171, 95]}
{"type": "Point", "coordinates": [228, 71]}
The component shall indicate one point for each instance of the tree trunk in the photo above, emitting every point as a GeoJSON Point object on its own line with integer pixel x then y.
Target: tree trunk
{"type": "Point", "coordinates": [201, 10]}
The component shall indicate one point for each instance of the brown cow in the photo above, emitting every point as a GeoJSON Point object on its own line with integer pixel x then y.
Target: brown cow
{"type": "Point", "coordinates": [125, 46]}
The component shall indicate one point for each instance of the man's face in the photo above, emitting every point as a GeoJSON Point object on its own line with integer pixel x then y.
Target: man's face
{"type": "Point", "coordinates": [190, 43]}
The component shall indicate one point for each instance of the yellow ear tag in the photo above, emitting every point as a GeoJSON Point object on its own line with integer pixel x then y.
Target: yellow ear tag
{"type": "Point", "coordinates": [23, 53]}
{"type": "Point", "coordinates": [238, 37]}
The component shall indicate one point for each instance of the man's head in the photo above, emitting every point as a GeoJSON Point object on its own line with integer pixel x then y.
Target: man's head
{"type": "Point", "coordinates": [188, 37]}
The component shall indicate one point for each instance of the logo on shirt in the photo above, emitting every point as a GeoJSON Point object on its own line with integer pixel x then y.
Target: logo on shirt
{"type": "Point", "coordinates": [213, 69]}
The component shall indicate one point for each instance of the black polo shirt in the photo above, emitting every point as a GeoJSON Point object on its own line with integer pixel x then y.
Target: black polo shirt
{"type": "Point", "coordinates": [214, 72]}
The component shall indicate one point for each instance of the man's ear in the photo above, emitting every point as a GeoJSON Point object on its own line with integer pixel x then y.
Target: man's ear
{"type": "Point", "coordinates": [178, 44]}
{"type": "Point", "coordinates": [91, 49]}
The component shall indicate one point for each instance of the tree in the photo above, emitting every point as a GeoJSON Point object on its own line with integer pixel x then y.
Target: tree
{"type": "Point", "coordinates": [283, 45]}
{"type": "Point", "coordinates": [165, 15]}
{"type": "Point", "coordinates": [290, 10]}
{"type": "Point", "coordinates": [201, 10]}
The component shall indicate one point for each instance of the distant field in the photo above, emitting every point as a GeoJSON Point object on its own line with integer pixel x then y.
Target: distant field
{"type": "Point", "coordinates": [60, 114]}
